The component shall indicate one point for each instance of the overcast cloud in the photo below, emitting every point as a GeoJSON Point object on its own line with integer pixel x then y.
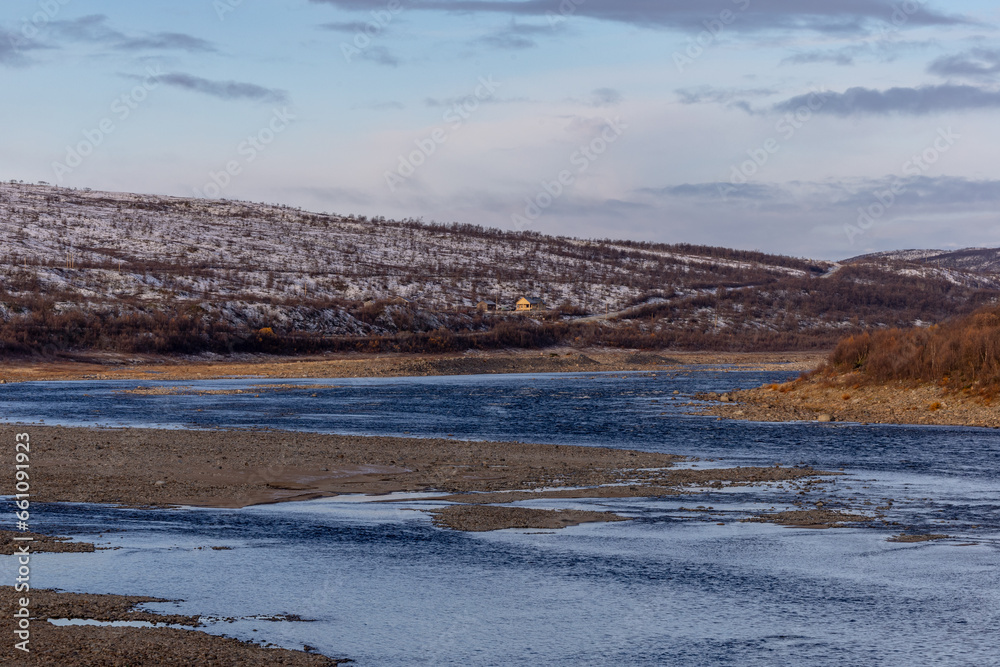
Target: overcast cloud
{"type": "Point", "coordinates": [761, 124]}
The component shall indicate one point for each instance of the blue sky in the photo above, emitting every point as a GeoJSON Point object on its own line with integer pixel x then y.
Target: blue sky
{"type": "Point", "coordinates": [806, 127]}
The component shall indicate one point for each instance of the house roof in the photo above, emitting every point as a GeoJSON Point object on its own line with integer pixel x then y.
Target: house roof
{"type": "Point", "coordinates": [529, 299]}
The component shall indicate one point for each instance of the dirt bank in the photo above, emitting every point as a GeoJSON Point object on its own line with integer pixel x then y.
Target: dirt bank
{"type": "Point", "coordinates": [668, 483]}
{"type": "Point", "coordinates": [482, 518]}
{"type": "Point", "coordinates": [845, 399]}
{"type": "Point", "coordinates": [238, 468]}
{"type": "Point", "coordinates": [142, 467]}
{"type": "Point", "coordinates": [41, 544]}
{"type": "Point", "coordinates": [907, 538]}
{"type": "Point", "coordinates": [95, 646]}
{"type": "Point", "coordinates": [817, 518]}
{"type": "Point", "coordinates": [557, 360]}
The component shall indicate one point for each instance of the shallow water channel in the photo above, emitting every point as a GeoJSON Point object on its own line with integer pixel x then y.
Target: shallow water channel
{"type": "Point", "coordinates": [383, 586]}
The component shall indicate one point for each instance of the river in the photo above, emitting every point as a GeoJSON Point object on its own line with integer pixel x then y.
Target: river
{"type": "Point", "coordinates": [381, 585]}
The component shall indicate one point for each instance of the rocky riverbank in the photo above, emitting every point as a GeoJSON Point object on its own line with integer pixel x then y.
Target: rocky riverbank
{"type": "Point", "coordinates": [103, 646]}
{"type": "Point", "coordinates": [845, 399]}
{"type": "Point", "coordinates": [41, 544]}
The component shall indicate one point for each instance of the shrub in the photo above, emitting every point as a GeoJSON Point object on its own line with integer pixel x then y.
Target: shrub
{"type": "Point", "coordinates": [960, 353]}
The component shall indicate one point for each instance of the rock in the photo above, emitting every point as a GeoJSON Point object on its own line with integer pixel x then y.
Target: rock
{"type": "Point", "coordinates": [824, 418]}
{"type": "Point", "coordinates": [725, 398]}
{"type": "Point", "coordinates": [159, 482]}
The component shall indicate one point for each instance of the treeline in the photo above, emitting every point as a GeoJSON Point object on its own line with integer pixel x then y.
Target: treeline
{"type": "Point", "coordinates": [46, 332]}
{"type": "Point", "coordinates": [963, 353]}
{"type": "Point", "coordinates": [186, 331]}
{"type": "Point", "coordinates": [856, 298]}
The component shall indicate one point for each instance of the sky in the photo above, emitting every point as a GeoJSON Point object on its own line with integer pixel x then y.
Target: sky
{"type": "Point", "coordinates": [804, 127]}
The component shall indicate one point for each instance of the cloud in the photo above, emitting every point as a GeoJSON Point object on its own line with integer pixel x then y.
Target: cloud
{"type": "Point", "coordinates": [975, 64]}
{"type": "Point", "coordinates": [95, 28]}
{"type": "Point", "coordinates": [712, 191]}
{"type": "Point", "coordinates": [837, 57]}
{"type": "Point", "coordinates": [800, 218]}
{"type": "Point", "coordinates": [13, 47]}
{"type": "Point", "coordinates": [914, 193]}
{"type": "Point", "coordinates": [90, 28]}
{"type": "Point", "coordinates": [731, 98]}
{"type": "Point", "coordinates": [912, 101]}
{"type": "Point", "coordinates": [710, 95]}
{"type": "Point", "coordinates": [351, 27]}
{"type": "Point", "coordinates": [814, 218]}
{"type": "Point", "coordinates": [166, 41]}
{"type": "Point", "coordinates": [605, 97]}
{"type": "Point", "coordinates": [226, 90]}
{"type": "Point", "coordinates": [599, 98]}
{"type": "Point", "coordinates": [380, 56]}
{"type": "Point", "coordinates": [516, 36]}
{"type": "Point", "coordinates": [751, 15]}
{"type": "Point", "coordinates": [880, 49]}
{"type": "Point", "coordinates": [939, 192]}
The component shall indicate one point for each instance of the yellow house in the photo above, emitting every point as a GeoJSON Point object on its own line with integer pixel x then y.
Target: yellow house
{"type": "Point", "coordinates": [529, 303]}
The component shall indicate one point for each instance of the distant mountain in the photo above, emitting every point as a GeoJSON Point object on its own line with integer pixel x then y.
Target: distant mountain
{"type": "Point", "coordinates": [979, 260]}
{"type": "Point", "coordinates": [82, 270]}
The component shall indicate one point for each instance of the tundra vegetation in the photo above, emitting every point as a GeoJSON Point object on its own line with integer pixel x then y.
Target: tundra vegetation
{"type": "Point", "coordinates": [962, 354]}
{"type": "Point", "coordinates": [96, 271]}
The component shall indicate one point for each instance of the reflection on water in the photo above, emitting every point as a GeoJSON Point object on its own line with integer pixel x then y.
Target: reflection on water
{"type": "Point", "coordinates": [671, 587]}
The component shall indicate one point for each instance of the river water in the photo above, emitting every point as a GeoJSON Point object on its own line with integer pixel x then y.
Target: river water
{"type": "Point", "coordinates": [383, 586]}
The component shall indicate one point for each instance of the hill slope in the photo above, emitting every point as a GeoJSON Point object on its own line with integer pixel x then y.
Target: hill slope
{"type": "Point", "coordinates": [975, 260]}
{"type": "Point", "coordinates": [99, 270]}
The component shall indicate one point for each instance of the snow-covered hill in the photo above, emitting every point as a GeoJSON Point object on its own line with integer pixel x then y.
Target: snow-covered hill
{"type": "Point", "coordinates": [101, 269]}
{"type": "Point", "coordinates": [99, 244]}
{"type": "Point", "coordinates": [974, 260]}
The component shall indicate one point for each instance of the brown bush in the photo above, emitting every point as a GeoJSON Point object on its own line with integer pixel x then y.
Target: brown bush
{"type": "Point", "coordinates": [962, 353]}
